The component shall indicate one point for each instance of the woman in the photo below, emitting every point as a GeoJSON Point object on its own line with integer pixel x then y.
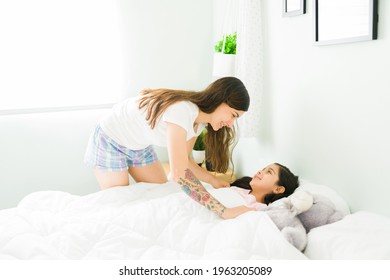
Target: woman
{"type": "Point", "coordinates": [122, 141]}
{"type": "Point", "coordinates": [273, 182]}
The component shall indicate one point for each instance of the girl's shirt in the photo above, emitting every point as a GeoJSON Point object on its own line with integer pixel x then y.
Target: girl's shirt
{"type": "Point", "coordinates": [127, 125]}
{"type": "Point", "coordinates": [250, 200]}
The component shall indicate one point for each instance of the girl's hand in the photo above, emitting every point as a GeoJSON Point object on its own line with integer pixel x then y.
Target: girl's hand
{"type": "Point", "coordinates": [230, 213]}
{"type": "Point", "coordinates": [220, 184]}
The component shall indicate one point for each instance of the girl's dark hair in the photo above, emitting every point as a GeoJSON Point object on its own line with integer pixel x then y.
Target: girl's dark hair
{"type": "Point", "coordinates": [229, 90]}
{"type": "Point", "coordinates": [286, 179]}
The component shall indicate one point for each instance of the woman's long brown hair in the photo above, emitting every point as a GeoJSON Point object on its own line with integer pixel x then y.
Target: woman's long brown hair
{"type": "Point", "coordinates": [229, 90]}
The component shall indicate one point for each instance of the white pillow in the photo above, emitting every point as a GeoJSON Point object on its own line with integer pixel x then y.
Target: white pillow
{"type": "Point", "coordinates": [328, 192]}
{"type": "Point", "coordinates": [359, 236]}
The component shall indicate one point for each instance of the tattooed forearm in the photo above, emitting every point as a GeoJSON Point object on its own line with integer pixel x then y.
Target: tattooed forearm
{"type": "Point", "coordinates": [194, 189]}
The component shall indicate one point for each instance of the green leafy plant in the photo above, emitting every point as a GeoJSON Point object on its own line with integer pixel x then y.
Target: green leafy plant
{"type": "Point", "coordinates": [199, 143]}
{"type": "Point", "coordinates": [230, 44]}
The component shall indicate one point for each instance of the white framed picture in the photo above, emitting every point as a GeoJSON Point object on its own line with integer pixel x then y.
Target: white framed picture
{"type": "Point", "coordinates": [293, 7]}
{"type": "Point", "coordinates": [344, 21]}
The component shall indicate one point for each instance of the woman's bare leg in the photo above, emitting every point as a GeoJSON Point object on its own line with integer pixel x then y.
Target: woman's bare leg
{"type": "Point", "coordinates": [111, 179]}
{"type": "Point", "coordinates": [152, 173]}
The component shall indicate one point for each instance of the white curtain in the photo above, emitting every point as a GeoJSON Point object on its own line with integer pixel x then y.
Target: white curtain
{"type": "Point", "coordinates": [249, 62]}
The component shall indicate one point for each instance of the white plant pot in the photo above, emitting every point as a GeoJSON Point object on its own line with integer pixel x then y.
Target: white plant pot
{"type": "Point", "coordinates": [224, 65]}
{"type": "Point", "coordinates": [198, 156]}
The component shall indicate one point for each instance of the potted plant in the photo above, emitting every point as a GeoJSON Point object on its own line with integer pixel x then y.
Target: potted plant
{"type": "Point", "coordinates": [225, 56]}
{"type": "Point", "coordinates": [230, 44]}
{"type": "Point", "coordinates": [199, 149]}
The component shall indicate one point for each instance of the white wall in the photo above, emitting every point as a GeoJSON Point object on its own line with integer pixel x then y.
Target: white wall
{"type": "Point", "coordinates": [45, 152]}
{"type": "Point", "coordinates": [326, 109]}
{"type": "Point", "coordinates": [169, 43]}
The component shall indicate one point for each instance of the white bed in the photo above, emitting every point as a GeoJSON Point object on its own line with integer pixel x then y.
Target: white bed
{"type": "Point", "coordinates": [150, 221]}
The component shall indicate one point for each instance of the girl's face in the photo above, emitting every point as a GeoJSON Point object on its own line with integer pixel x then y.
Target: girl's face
{"type": "Point", "coordinates": [265, 180]}
{"type": "Point", "coordinates": [224, 116]}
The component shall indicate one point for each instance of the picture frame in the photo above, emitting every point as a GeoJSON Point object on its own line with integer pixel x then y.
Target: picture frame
{"type": "Point", "coordinates": [293, 7]}
{"type": "Point", "coordinates": [345, 21]}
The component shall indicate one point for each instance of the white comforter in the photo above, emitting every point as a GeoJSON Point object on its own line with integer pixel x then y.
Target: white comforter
{"type": "Point", "coordinates": [143, 221]}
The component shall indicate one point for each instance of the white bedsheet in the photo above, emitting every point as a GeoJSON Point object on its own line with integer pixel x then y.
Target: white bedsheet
{"type": "Point", "coordinates": [143, 221]}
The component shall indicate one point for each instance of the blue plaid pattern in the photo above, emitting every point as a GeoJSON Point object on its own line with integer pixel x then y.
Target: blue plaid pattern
{"type": "Point", "coordinates": [107, 155]}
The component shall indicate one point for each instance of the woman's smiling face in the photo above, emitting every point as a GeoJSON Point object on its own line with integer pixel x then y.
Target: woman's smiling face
{"type": "Point", "coordinates": [224, 115]}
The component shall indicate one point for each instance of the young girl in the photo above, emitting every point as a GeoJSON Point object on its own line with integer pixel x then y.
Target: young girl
{"type": "Point", "coordinates": [122, 141]}
{"type": "Point", "coordinates": [273, 182]}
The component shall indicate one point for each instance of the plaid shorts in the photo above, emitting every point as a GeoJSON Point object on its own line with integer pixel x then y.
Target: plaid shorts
{"type": "Point", "coordinates": [107, 155]}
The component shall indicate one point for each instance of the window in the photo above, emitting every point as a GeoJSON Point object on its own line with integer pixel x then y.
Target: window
{"type": "Point", "coordinates": [60, 53]}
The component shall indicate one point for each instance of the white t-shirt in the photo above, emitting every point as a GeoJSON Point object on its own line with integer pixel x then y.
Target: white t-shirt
{"type": "Point", "coordinates": [127, 125]}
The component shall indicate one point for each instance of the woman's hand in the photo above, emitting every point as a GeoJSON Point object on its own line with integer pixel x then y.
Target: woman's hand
{"type": "Point", "coordinates": [230, 213]}
{"type": "Point", "coordinates": [217, 183]}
